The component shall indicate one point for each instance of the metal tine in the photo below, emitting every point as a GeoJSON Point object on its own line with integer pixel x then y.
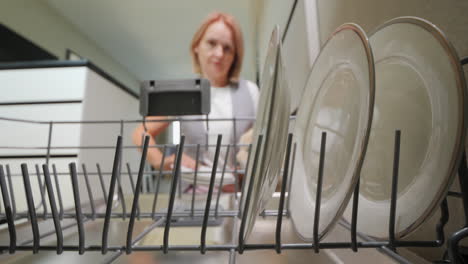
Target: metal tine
{"type": "Point", "coordinates": [444, 217]}
{"type": "Point", "coordinates": [462, 174]}
{"type": "Point", "coordinates": [12, 192]}
{"type": "Point", "coordinates": [243, 180]}
{"type": "Point", "coordinates": [31, 208]}
{"type": "Point", "coordinates": [197, 161]}
{"type": "Point", "coordinates": [158, 181]}
{"type": "Point", "coordinates": [142, 141]}
{"type": "Point", "coordinates": [393, 199]}
{"type": "Point", "coordinates": [175, 176]}
{"type": "Point", "coordinates": [136, 194]}
{"type": "Point", "coordinates": [354, 215]}
{"type": "Point", "coordinates": [455, 194]}
{"type": "Point", "coordinates": [11, 230]}
{"type": "Point", "coordinates": [49, 142]}
{"type": "Point", "coordinates": [209, 195]}
{"type": "Point", "coordinates": [291, 177]}
{"type": "Point", "coordinates": [79, 216]}
{"type": "Point", "coordinates": [39, 182]}
{"type": "Point", "coordinates": [101, 180]}
{"type": "Point", "coordinates": [25, 244]}
{"type": "Point", "coordinates": [221, 181]}
{"type": "Point", "coordinates": [9, 218]}
{"type": "Point", "coordinates": [90, 192]}
{"type": "Point", "coordinates": [119, 181]}
{"type": "Point", "coordinates": [115, 172]}
{"type": "Point", "coordinates": [464, 61]}
{"type": "Point", "coordinates": [249, 194]}
{"type": "Point", "coordinates": [279, 219]}
{"type": "Point", "coordinates": [452, 245]}
{"type": "Point", "coordinates": [132, 185]}
{"type": "Point", "coordinates": [59, 193]}
{"type": "Point", "coordinates": [53, 208]}
{"type": "Point", "coordinates": [318, 198]}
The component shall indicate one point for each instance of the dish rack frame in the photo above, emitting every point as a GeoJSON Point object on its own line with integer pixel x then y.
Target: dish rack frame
{"type": "Point", "coordinates": [388, 247]}
{"type": "Point", "coordinates": [9, 216]}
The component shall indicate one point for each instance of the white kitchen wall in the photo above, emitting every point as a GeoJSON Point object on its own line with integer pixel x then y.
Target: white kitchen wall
{"type": "Point", "coordinates": [270, 13]}
{"type": "Point", "coordinates": [39, 23]}
{"type": "Point", "coordinates": [301, 44]}
{"type": "Point", "coordinates": [449, 15]}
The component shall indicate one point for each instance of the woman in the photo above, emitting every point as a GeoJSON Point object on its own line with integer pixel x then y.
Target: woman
{"type": "Point", "coordinates": [217, 52]}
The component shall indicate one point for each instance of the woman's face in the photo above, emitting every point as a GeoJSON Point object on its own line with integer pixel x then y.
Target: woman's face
{"type": "Point", "coordinates": [216, 52]}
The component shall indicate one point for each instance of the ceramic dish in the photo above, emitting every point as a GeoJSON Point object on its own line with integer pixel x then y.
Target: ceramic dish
{"type": "Point", "coordinates": [204, 176]}
{"type": "Point", "coordinates": [274, 103]}
{"type": "Point", "coordinates": [275, 145]}
{"type": "Point", "coordinates": [338, 99]}
{"type": "Point", "coordinates": [420, 90]}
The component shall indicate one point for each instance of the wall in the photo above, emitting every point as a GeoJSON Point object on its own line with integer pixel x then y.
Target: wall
{"type": "Point", "coordinates": [270, 13]}
{"type": "Point", "coordinates": [450, 16]}
{"type": "Point", "coordinates": [36, 21]}
{"type": "Point", "coordinates": [300, 46]}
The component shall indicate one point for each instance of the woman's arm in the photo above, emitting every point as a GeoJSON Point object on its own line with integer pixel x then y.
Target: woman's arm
{"type": "Point", "coordinates": [154, 156]}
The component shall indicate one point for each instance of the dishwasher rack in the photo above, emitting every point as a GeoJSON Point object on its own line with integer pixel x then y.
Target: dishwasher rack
{"type": "Point", "coordinates": [83, 213]}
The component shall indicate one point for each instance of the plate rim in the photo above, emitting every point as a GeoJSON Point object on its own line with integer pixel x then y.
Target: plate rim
{"type": "Point", "coordinates": [462, 118]}
{"type": "Point", "coordinates": [371, 68]}
{"type": "Point", "coordinates": [253, 205]}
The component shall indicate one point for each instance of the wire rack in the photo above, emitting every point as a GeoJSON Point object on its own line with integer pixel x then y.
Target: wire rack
{"type": "Point", "coordinates": [85, 212]}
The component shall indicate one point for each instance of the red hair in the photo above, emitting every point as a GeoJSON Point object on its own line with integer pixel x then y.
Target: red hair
{"type": "Point", "coordinates": [231, 23]}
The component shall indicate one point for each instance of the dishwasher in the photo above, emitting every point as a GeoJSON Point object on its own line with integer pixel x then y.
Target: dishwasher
{"type": "Point", "coordinates": [105, 208]}
{"type": "Point", "coordinates": [153, 221]}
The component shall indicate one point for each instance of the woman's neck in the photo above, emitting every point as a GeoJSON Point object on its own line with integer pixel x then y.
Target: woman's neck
{"type": "Point", "coordinates": [219, 83]}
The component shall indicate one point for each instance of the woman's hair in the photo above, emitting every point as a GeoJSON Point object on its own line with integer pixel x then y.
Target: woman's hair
{"type": "Point", "coordinates": [231, 23]}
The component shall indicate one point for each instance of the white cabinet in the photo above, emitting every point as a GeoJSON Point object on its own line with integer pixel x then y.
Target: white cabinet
{"type": "Point", "coordinates": [42, 84]}
{"type": "Point", "coordinates": [65, 96]}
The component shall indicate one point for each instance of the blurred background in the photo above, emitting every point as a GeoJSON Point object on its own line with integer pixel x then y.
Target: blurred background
{"type": "Point", "coordinates": [132, 41]}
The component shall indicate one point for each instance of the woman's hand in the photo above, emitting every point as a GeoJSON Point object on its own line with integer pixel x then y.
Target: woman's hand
{"type": "Point", "coordinates": [187, 162]}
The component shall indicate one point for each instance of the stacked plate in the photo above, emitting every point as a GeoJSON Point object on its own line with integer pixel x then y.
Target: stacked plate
{"type": "Point", "coordinates": [338, 99]}
{"type": "Point", "coordinates": [272, 124]}
{"type": "Point", "coordinates": [406, 76]}
{"type": "Point", "coordinates": [203, 175]}
{"type": "Point", "coordinates": [419, 89]}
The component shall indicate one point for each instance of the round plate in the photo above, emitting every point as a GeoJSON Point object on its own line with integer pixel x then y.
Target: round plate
{"type": "Point", "coordinates": [338, 99]}
{"type": "Point", "coordinates": [204, 176]}
{"type": "Point", "coordinates": [420, 90]}
{"type": "Point", "coordinates": [274, 103]}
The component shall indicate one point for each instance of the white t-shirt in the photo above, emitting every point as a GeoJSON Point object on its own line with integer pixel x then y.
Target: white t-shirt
{"type": "Point", "coordinates": [221, 107]}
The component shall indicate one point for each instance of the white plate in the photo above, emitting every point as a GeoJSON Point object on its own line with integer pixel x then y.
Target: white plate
{"type": "Point", "coordinates": [204, 176]}
{"type": "Point", "coordinates": [272, 122]}
{"type": "Point", "coordinates": [420, 90]}
{"type": "Point", "coordinates": [338, 99]}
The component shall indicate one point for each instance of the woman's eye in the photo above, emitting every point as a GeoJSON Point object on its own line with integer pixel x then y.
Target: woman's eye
{"type": "Point", "coordinates": [211, 43]}
{"type": "Point", "coordinates": [227, 49]}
